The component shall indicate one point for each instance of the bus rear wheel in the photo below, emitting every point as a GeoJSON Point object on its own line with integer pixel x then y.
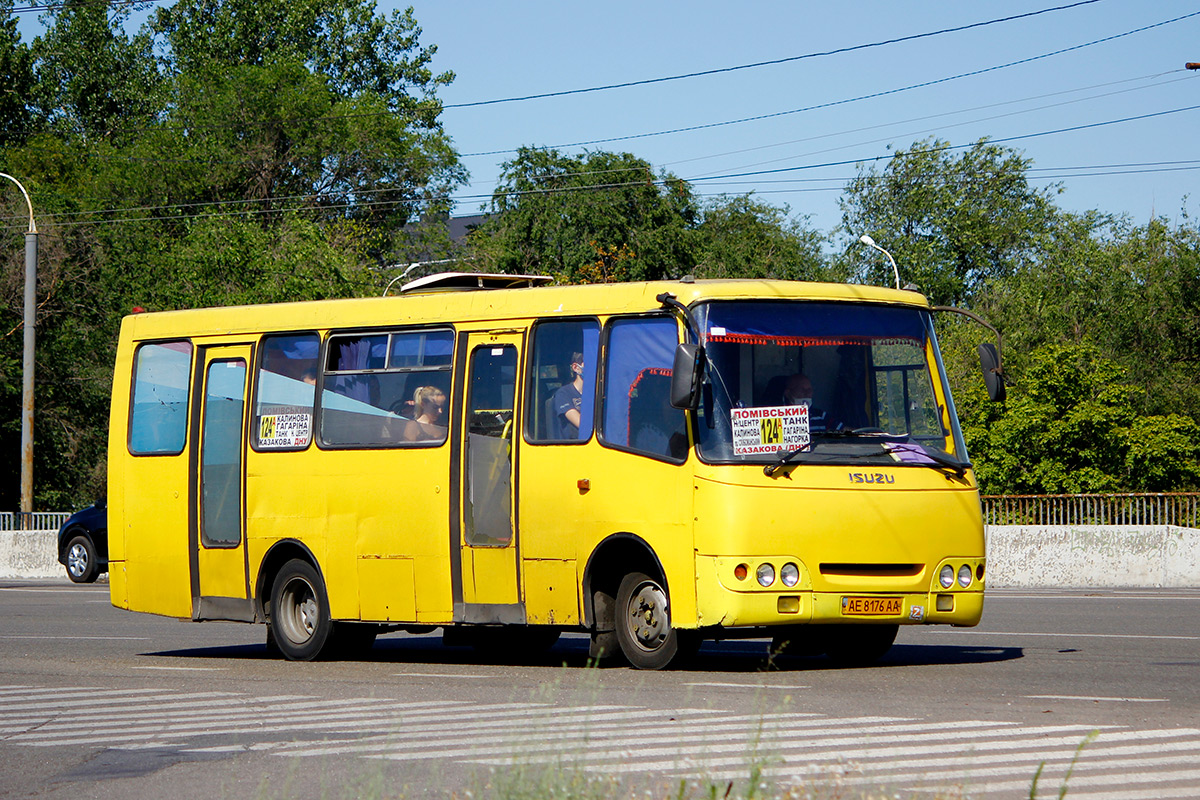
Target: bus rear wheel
{"type": "Point", "coordinates": [643, 621]}
{"type": "Point", "coordinates": [300, 618]}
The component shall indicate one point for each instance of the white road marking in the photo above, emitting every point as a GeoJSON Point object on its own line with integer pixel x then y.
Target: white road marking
{"type": "Point", "coordinates": [441, 675]}
{"type": "Point", "coordinates": [1097, 699]}
{"type": "Point", "coordinates": [747, 685]}
{"type": "Point", "coordinates": [76, 638]}
{"type": "Point", "coordinates": [983, 757]}
{"type": "Point", "coordinates": [1066, 634]}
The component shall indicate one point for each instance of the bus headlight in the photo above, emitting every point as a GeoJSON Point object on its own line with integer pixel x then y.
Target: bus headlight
{"type": "Point", "coordinates": [946, 578]}
{"type": "Point", "coordinates": [964, 575]}
{"type": "Point", "coordinates": [765, 574]}
{"type": "Point", "coordinates": [789, 573]}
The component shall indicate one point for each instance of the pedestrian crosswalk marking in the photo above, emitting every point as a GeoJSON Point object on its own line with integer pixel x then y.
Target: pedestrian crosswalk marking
{"type": "Point", "coordinates": [985, 758]}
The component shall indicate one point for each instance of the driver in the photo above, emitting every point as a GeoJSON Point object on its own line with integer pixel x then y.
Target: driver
{"type": "Point", "coordinates": [798, 391]}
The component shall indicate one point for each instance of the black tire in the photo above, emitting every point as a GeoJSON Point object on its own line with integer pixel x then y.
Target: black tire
{"type": "Point", "coordinates": [859, 645]}
{"type": "Point", "coordinates": [81, 559]}
{"type": "Point", "coordinates": [300, 612]}
{"type": "Point", "coordinates": [643, 617]}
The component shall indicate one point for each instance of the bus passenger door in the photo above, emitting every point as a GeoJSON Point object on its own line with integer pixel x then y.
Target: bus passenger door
{"type": "Point", "coordinates": [218, 542]}
{"type": "Point", "coordinates": [484, 534]}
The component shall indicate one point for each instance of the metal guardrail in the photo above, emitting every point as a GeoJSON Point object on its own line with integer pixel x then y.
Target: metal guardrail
{"type": "Point", "coordinates": [32, 521]}
{"type": "Point", "coordinates": [1164, 508]}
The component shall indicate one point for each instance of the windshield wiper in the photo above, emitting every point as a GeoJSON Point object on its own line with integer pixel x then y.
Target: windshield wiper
{"type": "Point", "coordinates": [784, 458]}
{"type": "Point", "coordinates": [959, 468]}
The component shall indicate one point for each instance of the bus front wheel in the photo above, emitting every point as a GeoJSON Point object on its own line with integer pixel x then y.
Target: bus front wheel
{"type": "Point", "coordinates": [643, 620]}
{"type": "Point", "coordinates": [300, 618]}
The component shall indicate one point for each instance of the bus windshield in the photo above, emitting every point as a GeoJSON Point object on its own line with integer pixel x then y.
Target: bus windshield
{"type": "Point", "coordinates": [824, 382]}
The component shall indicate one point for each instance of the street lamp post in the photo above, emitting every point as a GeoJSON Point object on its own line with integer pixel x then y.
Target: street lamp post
{"type": "Point", "coordinates": [869, 242]}
{"type": "Point", "coordinates": [31, 259]}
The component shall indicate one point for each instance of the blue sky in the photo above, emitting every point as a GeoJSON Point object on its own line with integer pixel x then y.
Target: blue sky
{"type": "Point", "coordinates": [501, 50]}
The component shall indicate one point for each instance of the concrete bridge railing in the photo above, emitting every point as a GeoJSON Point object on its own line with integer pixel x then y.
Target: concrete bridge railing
{"type": "Point", "coordinates": [1066, 556]}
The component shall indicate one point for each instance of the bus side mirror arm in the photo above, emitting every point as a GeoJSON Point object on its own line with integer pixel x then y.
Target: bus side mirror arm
{"type": "Point", "coordinates": [687, 371]}
{"type": "Point", "coordinates": [989, 356]}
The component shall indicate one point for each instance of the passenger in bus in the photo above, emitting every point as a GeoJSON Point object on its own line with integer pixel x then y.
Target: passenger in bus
{"type": "Point", "coordinates": [568, 401]}
{"type": "Point", "coordinates": [429, 405]}
{"type": "Point", "coordinates": [798, 391]}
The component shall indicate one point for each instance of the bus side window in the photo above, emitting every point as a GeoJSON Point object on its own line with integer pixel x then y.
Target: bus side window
{"type": "Point", "coordinates": [552, 381]}
{"type": "Point", "coordinates": [638, 414]}
{"type": "Point", "coordinates": [286, 392]}
{"type": "Point", "coordinates": [388, 389]}
{"type": "Point", "coordinates": [159, 411]}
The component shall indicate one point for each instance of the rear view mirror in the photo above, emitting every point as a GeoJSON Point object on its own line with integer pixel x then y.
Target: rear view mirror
{"type": "Point", "coordinates": [993, 375]}
{"type": "Point", "coordinates": [687, 376]}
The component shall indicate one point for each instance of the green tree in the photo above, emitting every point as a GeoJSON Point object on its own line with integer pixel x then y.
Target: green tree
{"type": "Point", "coordinates": [1071, 426]}
{"type": "Point", "coordinates": [600, 216]}
{"type": "Point", "coordinates": [91, 76]}
{"type": "Point", "coordinates": [16, 81]}
{"type": "Point", "coordinates": [741, 237]}
{"type": "Point", "coordinates": [244, 162]}
{"type": "Point", "coordinates": [952, 222]}
{"type": "Point", "coordinates": [1133, 292]}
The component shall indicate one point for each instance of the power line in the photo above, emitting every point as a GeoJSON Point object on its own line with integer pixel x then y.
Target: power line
{"type": "Point", "coordinates": [115, 4]}
{"type": "Point", "coordinates": [948, 147]}
{"type": "Point", "coordinates": [852, 131]}
{"type": "Point", "coordinates": [833, 103]}
{"type": "Point", "coordinates": [789, 59]}
{"type": "Point", "coordinates": [974, 121]}
{"type": "Point", "coordinates": [1146, 167]}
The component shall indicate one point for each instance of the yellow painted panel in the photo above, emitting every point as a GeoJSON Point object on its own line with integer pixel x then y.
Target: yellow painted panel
{"type": "Point", "coordinates": [388, 589]}
{"type": "Point", "coordinates": [435, 604]}
{"type": "Point", "coordinates": [344, 505]}
{"type": "Point", "coordinates": [492, 576]}
{"type": "Point", "coordinates": [222, 572]}
{"type": "Point", "coordinates": [154, 521]}
{"type": "Point", "coordinates": [916, 521]}
{"type": "Point", "coordinates": [551, 593]}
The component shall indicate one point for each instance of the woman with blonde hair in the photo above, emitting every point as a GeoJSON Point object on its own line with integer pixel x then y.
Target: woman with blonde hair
{"type": "Point", "coordinates": [429, 404]}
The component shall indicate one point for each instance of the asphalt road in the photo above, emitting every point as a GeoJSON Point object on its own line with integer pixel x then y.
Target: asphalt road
{"type": "Point", "coordinates": [100, 703]}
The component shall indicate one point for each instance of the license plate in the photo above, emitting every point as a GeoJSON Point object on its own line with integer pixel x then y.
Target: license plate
{"type": "Point", "coordinates": [871, 606]}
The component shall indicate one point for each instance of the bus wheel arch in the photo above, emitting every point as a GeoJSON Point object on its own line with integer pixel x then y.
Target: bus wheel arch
{"type": "Point", "coordinates": [292, 598]}
{"type": "Point", "coordinates": [616, 557]}
{"type": "Point", "coordinates": [300, 620]}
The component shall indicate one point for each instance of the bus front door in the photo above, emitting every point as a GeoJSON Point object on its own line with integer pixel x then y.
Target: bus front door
{"type": "Point", "coordinates": [486, 586]}
{"type": "Point", "coordinates": [220, 588]}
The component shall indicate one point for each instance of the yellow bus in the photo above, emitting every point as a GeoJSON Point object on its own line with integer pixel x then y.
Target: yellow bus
{"type": "Point", "coordinates": [652, 463]}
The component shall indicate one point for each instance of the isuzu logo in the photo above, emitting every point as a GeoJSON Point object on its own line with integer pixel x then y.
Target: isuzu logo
{"type": "Point", "coordinates": [871, 477]}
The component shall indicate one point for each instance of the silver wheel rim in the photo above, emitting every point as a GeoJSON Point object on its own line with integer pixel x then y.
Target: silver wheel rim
{"type": "Point", "coordinates": [647, 616]}
{"type": "Point", "coordinates": [77, 560]}
{"type": "Point", "coordinates": [299, 611]}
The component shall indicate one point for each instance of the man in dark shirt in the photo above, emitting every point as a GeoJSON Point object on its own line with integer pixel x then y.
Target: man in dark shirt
{"type": "Point", "coordinates": [569, 399]}
{"type": "Point", "coordinates": [799, 392]}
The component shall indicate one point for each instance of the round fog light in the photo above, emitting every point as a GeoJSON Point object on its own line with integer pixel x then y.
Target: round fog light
{"type": "Point", "coordinates": [789, 573]}
{"type": "Point", "coordinates": [964, 575]}
{"type": "Point", "coordinates": [946, 577]}
{"type": "Point", "coordinates": [765, 574]}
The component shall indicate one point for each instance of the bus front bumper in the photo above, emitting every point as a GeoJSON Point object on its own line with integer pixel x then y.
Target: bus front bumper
{"type": "Point", "coordinates": [720, 606]}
